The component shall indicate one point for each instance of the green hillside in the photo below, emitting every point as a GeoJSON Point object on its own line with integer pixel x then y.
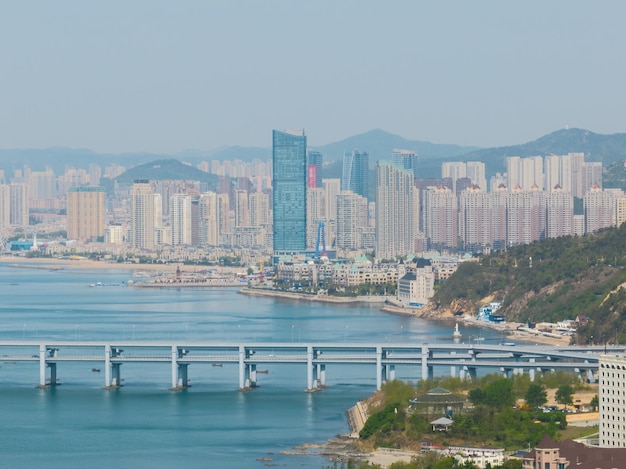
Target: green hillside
{"type": "Point", "coordinates": [551, 280]}
{"type": "Point", "coordinates": [596, 147]}
{"type": "Point", "coordinates": [163, 170]}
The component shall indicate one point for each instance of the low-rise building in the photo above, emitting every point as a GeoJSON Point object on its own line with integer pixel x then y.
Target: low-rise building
{"type": "Point", "coordinates": [570, 454]}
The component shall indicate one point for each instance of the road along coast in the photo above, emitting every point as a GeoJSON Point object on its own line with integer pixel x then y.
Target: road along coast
{"type": "Point", "coordinates": [311, 297]}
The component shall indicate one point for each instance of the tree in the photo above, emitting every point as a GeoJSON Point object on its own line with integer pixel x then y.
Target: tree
{"type": "Point", "coordinates": [564, 395]}
{"type": "Point", "coordinates": [594, 402]}
{"type": "Point", "coordinates": [536, 395]}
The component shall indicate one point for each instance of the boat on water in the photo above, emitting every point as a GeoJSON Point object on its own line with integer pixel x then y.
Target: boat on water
{"type": "Point", "coordinates": [96, 370]}
{"type": "Point", "coordinates": [217, 364]}
{"type": "Point", "coordinates": [263, 371]}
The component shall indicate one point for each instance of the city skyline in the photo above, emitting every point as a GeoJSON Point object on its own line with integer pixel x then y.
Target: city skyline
{"type": "Point", "coordinates": [158, 77]}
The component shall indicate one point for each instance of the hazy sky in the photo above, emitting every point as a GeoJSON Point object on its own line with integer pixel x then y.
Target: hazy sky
{"type": "Point", "coordinates": [164, 76]}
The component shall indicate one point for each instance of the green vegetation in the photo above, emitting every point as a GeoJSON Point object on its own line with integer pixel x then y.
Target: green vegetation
{"type": "Point", "coordinates": [564, 395]}
{"type": "Point", "coordinates": [536, 395]}
{"type": "Point", "coordinates": [551, 280]}
{"type": "Point", "coordinates": [492, 419]}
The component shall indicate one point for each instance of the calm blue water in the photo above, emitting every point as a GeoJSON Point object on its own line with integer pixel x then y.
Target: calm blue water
{"type": "Point", "coordinates": [210, 424]}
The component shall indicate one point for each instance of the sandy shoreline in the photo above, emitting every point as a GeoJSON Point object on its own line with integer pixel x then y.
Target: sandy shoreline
{"type": "Point", "coordinates": [54, 263]}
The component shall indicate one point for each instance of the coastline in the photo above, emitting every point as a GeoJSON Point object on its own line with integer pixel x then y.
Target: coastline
{"type": "Point", "coordinates": [307, 297]}
{"type": "Point", "coordinates": [510, 330]}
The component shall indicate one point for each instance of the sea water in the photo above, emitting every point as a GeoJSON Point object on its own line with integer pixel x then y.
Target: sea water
{"type": "Point", "coordinates": [211, 424]}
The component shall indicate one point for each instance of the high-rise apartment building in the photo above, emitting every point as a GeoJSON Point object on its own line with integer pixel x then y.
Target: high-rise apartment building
{"type": "Point", "coordinates": [476, 172]}
{"type": "Point", "coordinates": [611, 401]}
{"type": "Point", "coordinates": [208, 223]}
{"type": "Point", "coordinates": [5, 206]}
{"type": "Point", "coordinates": [332, 187]}
{"type": "Point", "coordinates": [525, 172]}
{"type": "Point", "coordinates": [498, 230]}
{"type": "Point", "coordinates": [351, 220]}
{"type": "Point", "coordinates": [405, 159]}
{"type": "Point", "coordinates": [86, 215]}
{"type": "Point", "coordinates": [180, 219]}
{"type": "Point", "coordinates": [260, 209]}
{"type": "Point", "coordinates": [18, 200]}
{"type": "Point", "coordinates": [142, 215]}
{"type": "Point", "coordinates": [242, 209]}
{"type": "Point", "coordinates": [289, 191]}
{"type": "Point", "coordinates": [314, 168]}
{"type": "Point", "coordinates": [526, 216]}
{"type": "Point", "coordinates": [397, 211]}
{"type": "Point", "coordinates": [355, 173]}
{"type": "Point", "coordinates": [475, 218]}
{"type": "Point", "coordinates": [559, 213]}
{"type": "Point", "coordinates": [453, 170]}
{"type": "Point", "coordinates": [441, 218]}
{"type": "Point", "coordinates": [592, 176]}
{"type": "Point", "coordinates": [315, 214]}
{"type": "Point", "coordinates": [599, 208]}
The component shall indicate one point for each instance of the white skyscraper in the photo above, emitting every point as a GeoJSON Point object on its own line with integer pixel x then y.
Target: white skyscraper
{"type": "Point", "coordinates": [441, 218]}
{"type": "Point", "coordinates": [180, 219]}
{"type": "Point", "coordinates": [315, 213]}
{"type": "Point", "coordinates": [142, 214]}
{"type": "Point", "coordinates": [526, 216]}
{"type": "Point", "coordinates": [525, 172]}
{"type": "Point", "coordinates": [611, 402]}
{"type": "Point", "coordinates": [453, 170]}
{"type": "Point", "coordinates": [476, 172]}
{"type": "Point", "coordinates": [18, 209]}
{"type": "Point", "coordinates": [5, 206]}
{"type": "Point", "coordinates": [208, 225]}
{"type": "Point", "coordinates": [592, 176]}
{"type": "Point", "coordinates": [599, 207]}
{"type": "Point", "coordinates": [559, 213]}
{"type": "Point", "coordinates": [351, 218]}
{"type": "Point", "coordinates": [475, 218]}
{"type": "Point", "coordinates": [397, 211]}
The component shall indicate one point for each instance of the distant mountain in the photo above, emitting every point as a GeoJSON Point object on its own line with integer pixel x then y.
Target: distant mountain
{"type": "Point", "coordinates": [379, 145]}
{"type": "Point", "coordinates": [596, 147]}
{"type": "Point", "coordinates": [170, 169]}
{"type": "Point", "coordinates": [58, 158]}
{"type": "Point", "coordinates": [227, 153]}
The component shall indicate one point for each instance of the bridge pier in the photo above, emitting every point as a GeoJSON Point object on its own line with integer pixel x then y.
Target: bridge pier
{"type": "Point", "coordinates": [44, 353]}
{"type": "Point", "coordinates": [247, 371]}
{"type": "Point", "coordinates": [180, 371]}
{"type": "Point", "coordinates": [379, 368]}
{"type": "Point", "coordinates": [311, 383]}
{"type": "Point", "coordinates": [116, 379]}
{"type": "Point", "coordinates": [112, 375]}
{"type": "Point", "coordinates": [427, 371]}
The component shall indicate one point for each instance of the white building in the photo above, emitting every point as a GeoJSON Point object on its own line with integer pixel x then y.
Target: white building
{"type": "Point", "coordinates": [180, 219]}
{"type": "Point", "coordinates": [612, 401]}
{"type": "Point", "coordinates": [416, 288]}
{"type": "Point", "coordinates": [397, 211]}
{"type": "Point", "coordinates": [142, 214]}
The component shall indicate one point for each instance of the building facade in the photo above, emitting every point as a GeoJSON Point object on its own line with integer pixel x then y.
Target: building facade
{"type": "Point", "coordinates": [289, 191]}
{"type": "Point", "coordinates": [86, 215]}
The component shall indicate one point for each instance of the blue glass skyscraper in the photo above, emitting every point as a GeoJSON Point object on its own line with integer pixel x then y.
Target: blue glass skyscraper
{"type": "Point", "coordinates": [289, 191]}
{"type": "Point", "coordinates": [355, 173]}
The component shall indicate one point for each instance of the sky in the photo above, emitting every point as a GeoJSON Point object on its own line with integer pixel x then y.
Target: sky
{"type": "Point", "coordinates": [162, 76]}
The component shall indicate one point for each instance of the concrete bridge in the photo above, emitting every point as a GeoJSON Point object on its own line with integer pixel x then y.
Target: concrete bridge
{"type": "Point", "coordinates": [462, 360]}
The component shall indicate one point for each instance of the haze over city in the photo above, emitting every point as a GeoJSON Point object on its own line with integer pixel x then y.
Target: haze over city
{"type": "Point", "coordinates": [162, 77]}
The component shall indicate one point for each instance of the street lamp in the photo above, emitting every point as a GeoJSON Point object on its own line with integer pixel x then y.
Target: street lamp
{"type": "Point", "coordinates": [292, 326]}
